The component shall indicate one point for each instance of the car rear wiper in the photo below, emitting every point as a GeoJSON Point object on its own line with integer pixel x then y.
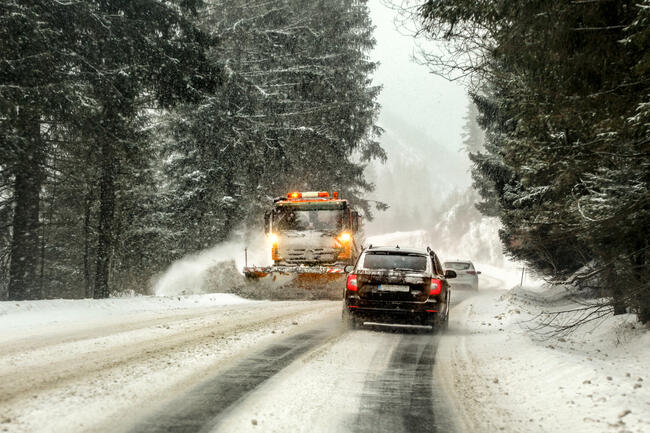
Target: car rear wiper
{"type": "Point", "coordinates": [404, 269]}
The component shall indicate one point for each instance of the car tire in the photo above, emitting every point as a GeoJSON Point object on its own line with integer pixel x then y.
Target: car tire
{"type": "Point", "coordinates": [436, 323]}
{"type": "Point", "coordinates": [349, 321]}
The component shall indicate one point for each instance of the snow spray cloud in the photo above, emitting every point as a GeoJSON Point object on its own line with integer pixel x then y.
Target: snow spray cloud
{"type": "Point", "coordinates": [216, 269]}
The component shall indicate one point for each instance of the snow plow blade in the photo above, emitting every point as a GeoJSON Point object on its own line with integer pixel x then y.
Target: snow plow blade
{"type": "Point", "coordinates": [299, 282]}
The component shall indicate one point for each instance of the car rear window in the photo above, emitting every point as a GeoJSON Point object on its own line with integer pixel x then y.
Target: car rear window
{"type": "Point", "coordinates": [391, 260]}
{"type": "Point", "coordinates": [457, 266]}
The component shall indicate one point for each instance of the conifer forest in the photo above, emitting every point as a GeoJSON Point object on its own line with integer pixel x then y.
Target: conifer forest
{"type": "Point", "coordinates": [135, 132]}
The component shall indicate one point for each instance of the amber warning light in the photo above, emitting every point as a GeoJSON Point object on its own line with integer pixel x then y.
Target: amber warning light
{"type": "Point", "coordinates": [311, 194]}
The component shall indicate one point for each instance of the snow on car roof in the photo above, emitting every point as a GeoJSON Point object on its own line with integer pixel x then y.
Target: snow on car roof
{"type": "Point", "coordinates": [398, 250]}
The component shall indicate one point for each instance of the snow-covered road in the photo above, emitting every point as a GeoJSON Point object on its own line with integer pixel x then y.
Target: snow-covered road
{"type": "Point", "coordinates": [85, 372]}
{"type": "Point", "coordinates": [323, 379]}
{"type": "Point", "coordinates": [218, 363]}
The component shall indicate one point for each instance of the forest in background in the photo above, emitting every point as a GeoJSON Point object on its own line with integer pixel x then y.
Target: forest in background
{"type": "Point", "coordinates": [563, 93]}
{"type": "Point", "coordinates": [133, 133]}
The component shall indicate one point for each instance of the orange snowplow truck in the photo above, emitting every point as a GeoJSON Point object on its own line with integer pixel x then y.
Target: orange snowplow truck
{"type": "Point", "coordinates": [312, 236]}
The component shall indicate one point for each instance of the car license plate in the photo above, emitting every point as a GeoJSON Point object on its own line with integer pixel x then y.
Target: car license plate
{"type": "Point", "coordinates": [393, 288]}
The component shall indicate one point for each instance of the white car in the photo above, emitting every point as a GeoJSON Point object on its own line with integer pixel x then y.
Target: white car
{"type": "Point", "coordinates": [467, 275]}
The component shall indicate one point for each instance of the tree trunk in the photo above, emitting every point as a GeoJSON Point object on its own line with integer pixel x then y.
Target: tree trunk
{"type": "Point", "coordinates": [88, 293]}
{"type": "Point", "coordinates": [640, 265]}
{"type": "Point", "coordinates": [106, 216]}
{"type": "Point", "coordinates": [44, 227]}
{"type": "Point", "coordinates": [618, 295]}
{"type": "Point", "coordinates": [23, 272]}
{"type": "Point", "coordinates": [644, 304]}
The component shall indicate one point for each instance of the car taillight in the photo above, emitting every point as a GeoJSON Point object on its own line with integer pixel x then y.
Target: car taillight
{"type": "Point", "coordinates": [471, 272]}
{"type": "Point", "coordinates": [352, 283]}
{"type": "Point", "coordinates": [436, 287]}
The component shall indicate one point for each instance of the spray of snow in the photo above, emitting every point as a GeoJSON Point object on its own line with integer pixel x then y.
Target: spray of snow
{"type": "Point", "coordinates": [217, 269]}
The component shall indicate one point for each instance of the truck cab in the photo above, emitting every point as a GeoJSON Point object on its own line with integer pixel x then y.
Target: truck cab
{"type": "Point", "coordinates": [312, 228]}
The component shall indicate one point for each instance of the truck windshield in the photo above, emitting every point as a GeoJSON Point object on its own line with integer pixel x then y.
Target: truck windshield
{"type": "Point", "coordinates": [295, 218]}
{"type": "Point", "coordinates": [395, 261]}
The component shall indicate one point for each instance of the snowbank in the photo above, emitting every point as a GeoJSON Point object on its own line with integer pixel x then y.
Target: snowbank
{"type": "Point", "coordinates": [26, 314]}
{"type": "Point", "coordinates": [520, 379]}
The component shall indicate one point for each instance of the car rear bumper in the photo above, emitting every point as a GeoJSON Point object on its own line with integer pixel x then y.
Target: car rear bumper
{"type": "Point", "coordinates": [422, 313]}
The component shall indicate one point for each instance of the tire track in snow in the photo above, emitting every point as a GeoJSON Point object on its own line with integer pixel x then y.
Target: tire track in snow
{"type": "Point", "coordinates": [53, 336]}
{"type": "Point", "coordinates": [401, 398]}
{"type": "Point", "coordinates": [201, 409]}
{"type": "Point", "coordinates": [19, 381]}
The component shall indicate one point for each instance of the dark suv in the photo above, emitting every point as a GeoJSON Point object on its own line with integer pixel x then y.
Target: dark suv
{"type": "Point", "coordinates": [397, 286]}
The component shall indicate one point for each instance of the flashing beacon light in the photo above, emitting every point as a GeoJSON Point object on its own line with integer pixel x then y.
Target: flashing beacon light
{"type": "Point", "coordinates": [344, 237]}
{"type": "Point", "coordinates": [273, 238]}
{"type": "Point", "coordinates": [309, 194]}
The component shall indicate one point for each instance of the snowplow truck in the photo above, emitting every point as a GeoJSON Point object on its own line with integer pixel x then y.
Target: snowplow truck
{"type": "Point", "coordinates": [313, 236]}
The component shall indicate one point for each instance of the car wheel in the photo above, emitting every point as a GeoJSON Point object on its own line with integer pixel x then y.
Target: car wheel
{"type": "Point", "coordinates": [349, 320]}
{"type": "Point", "coordinates": [436, 323]}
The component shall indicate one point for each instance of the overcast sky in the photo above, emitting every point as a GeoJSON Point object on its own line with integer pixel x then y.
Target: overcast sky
{"type": "Point", "coordinates": [423, 116]}
{"type": "Point", "coordinates": [410, 91]}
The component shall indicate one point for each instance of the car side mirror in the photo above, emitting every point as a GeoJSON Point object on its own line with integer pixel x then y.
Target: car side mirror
{"type": "Point", "coordinates": [348, 269]}
{"type": "Point", "coordinates": [478, 272]}
{"type": "Point", "coordinates": [450, 274]}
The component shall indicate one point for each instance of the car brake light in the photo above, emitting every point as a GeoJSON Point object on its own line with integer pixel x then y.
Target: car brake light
{"type": "Point", "coordinates": [436, 286]}
{"type": "Point", "coordinates": [352, 283]}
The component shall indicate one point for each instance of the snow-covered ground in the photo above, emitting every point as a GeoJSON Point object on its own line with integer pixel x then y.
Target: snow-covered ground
{"type": "Point", "coordinates": [81, 365]}
{"type": "Point", "coordinates": [59, 313]}
{"type": "Point", "coordinates": [508, 375]}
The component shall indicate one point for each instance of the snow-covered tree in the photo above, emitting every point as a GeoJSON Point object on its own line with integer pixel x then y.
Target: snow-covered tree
{"type": "Point", "coordinates": [135, 132]}
{"type": "Point", "coordinates": [296, 111]}
{"type": "Point", "coordinates": [562, 89]}
{"type": "Point", "coordinates": [80, 75]}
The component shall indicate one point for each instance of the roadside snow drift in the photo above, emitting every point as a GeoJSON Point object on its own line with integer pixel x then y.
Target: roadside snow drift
{"type": "Point", "coordinates": [21, 315]}
{"type": "Point", "coordinates": [508, 375]}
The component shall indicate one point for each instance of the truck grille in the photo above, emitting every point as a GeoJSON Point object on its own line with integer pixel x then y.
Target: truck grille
{"type": "Point", "coordinates": [311, 255]}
